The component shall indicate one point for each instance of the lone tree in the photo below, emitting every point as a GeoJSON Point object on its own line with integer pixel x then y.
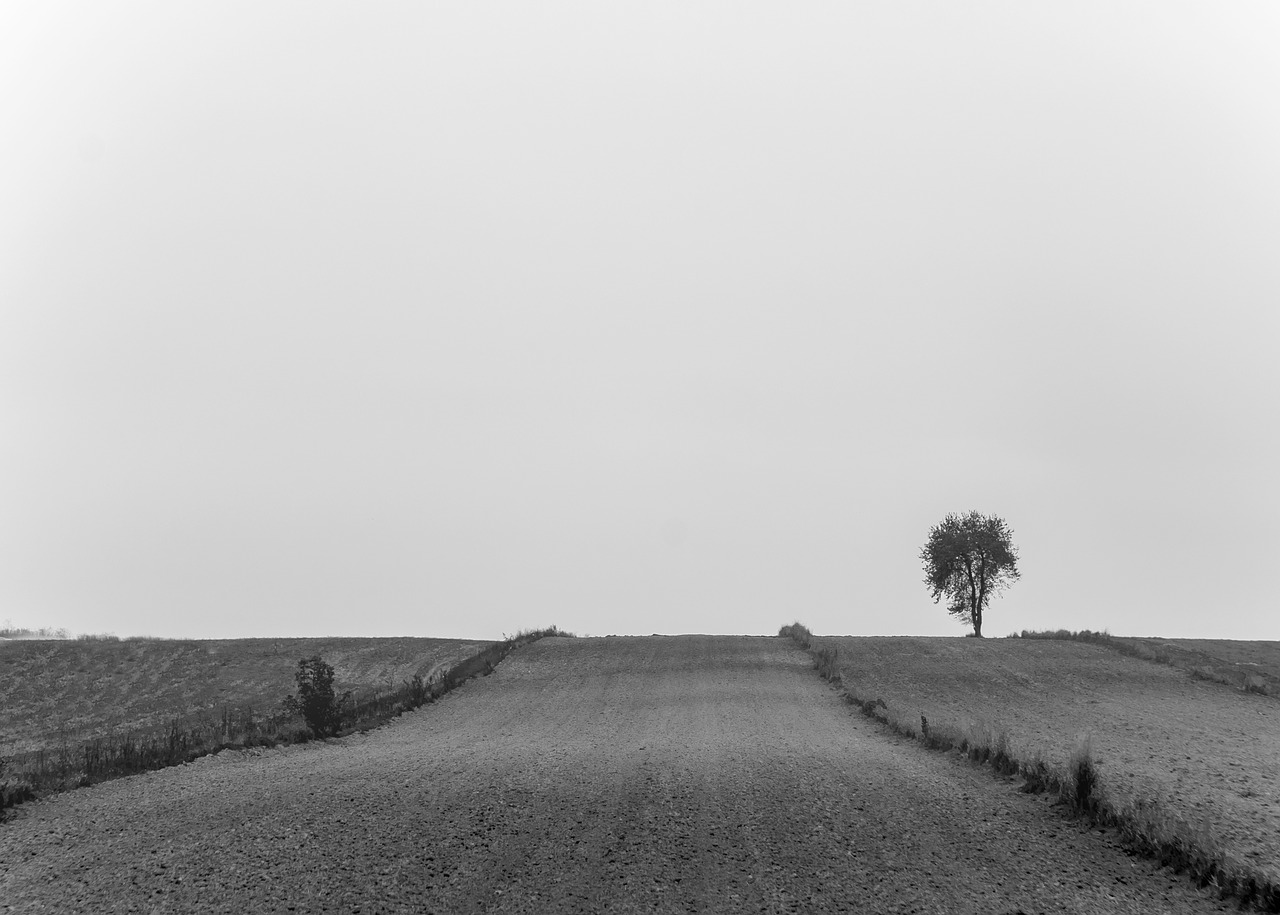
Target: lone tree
{"type": "Point", "coordinates": [968, 558]}
{"type": "Point", "coordinates": [315, 701]}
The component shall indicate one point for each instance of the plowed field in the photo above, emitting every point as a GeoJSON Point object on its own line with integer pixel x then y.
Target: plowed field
{"type": "Point", "coordinates": [55, 692]}
{"type": "Point", "coordinates": [681, 774]}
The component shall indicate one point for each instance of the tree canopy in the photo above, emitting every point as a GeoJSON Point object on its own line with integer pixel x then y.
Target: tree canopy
{"type": "Point", "coordinates": [968, 558]}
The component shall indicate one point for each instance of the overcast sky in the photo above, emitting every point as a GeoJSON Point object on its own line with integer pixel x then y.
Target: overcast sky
{"type": "Point", "coordinates": [457, 318]}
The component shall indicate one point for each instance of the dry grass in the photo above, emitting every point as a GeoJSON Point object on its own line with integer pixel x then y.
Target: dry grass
{"type": "Point", "coordinates": [1004, 704]}
{"type": "Point", "coordinates": [9, 631]}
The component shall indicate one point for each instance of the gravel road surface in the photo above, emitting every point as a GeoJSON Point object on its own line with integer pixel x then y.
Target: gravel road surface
{"type": "Point", "coordinates": [662, 774]}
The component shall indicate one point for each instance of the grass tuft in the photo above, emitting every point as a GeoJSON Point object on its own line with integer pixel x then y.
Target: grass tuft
{"type": "Point", "coordinates": [1256, 684]}
{"type": "Point", "coordinates": [827, 660]}
{"type": "Point", "coordinates": [11, 794]}
{"type": "Point", "coordinates": [1080, 788]}
{"type": "Point", "coordinates": [1037, 778]}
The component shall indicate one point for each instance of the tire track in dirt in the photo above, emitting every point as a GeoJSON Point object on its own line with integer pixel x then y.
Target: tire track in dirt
{"type": "Point", "coordinates": [664, 774]}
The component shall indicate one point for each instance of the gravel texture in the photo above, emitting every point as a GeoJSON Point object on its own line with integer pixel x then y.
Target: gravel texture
{"type": "Point", "coordinates": [662, 774]}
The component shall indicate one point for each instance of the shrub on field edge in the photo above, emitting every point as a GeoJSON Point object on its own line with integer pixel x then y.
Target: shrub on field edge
{"type": "Point", "coordinates": [798, 633]}
{"type": "Point", "coordinates": [11, 794]}
{"type": "Point", "coordinates": [316, 702]}
{"type": "Point", "coordinates": [1079, 791]}
{"type": "Point", "coordinates": [825, 659]}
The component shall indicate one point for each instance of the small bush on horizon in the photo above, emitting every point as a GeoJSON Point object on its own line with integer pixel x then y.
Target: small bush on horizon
{"type": "Point", "coordinates": [531, 635]}
{"type": "Point", "coordinates": [799, 633]}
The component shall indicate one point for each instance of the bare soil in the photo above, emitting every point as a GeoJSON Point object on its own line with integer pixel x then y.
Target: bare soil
{"type": "Point", "coordinates": [667, 774]}
{"type": "Point", "coordinates": [55, 692]}
{"type": "Point", "coordinates": [1206, 751]}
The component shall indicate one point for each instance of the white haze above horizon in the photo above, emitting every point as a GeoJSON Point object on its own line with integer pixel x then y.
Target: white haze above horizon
{"type": "Point", "coordinates": [454, 319]}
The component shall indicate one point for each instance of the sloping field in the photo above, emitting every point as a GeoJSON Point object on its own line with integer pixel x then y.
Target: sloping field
{"type": "Point", "coordinates": [56, 691]}
{"type": "Point", "coordinates": [1206, 751]}
{"type": "Point", "coordinates": [1230, 658]}
{"type": "Point", "coordinates": [682, 774]}
{"type": "Point", "coordinates": [1263, 655]}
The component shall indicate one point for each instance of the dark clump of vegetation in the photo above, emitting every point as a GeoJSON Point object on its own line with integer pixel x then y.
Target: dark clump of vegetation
{"type": "Point", "coordinates": [1147, 826]}
{"type": "Point", "coordinates": [1137, 650]}
{"type": "Point", "coordinates": [1080, 788]}
{"type": "Point", "coordinates": [825, 659]}
{"type": "Point", "coordinates": [798, 633]}
{"type": "Point", "coordinates": [1037, 778]}
{"type": "Point", "coordinates": [316, 701]}
{"type": "Point", "coordinates": [11, 794]}
{"type": "Point", "coordinates": [315, 711]}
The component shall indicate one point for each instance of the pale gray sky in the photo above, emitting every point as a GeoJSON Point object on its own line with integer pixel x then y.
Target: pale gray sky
{"type": "Point", "coordinates": [456, 318]}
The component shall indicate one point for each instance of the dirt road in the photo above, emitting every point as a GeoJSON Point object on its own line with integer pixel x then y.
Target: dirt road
{"type": "Point", "coordinates": [668, 774]}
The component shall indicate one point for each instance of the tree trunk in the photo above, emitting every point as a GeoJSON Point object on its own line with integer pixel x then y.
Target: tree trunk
{"type": "Point", "coordinates": [975, 606]}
